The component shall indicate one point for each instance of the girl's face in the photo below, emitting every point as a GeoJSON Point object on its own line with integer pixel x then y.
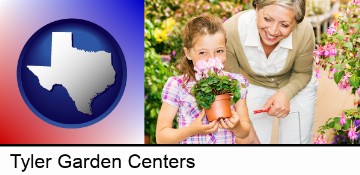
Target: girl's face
{"type": "Point", "coordinates": [207, 46]}
{"type": "Point", "coordinates": [274, 23]}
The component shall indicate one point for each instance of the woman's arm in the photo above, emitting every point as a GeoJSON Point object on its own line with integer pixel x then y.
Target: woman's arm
{"type": "Point", "coordinates": [301, 73]}
{"type": "Point", "coordinates": [166, 134]}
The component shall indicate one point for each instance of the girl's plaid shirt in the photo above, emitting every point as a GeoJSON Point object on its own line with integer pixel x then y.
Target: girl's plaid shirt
{"type": "Point", "coordinates": [175, 94]}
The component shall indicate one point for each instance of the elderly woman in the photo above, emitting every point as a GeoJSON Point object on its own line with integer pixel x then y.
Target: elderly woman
{"type": "Point", "coordinates": [272, 46]}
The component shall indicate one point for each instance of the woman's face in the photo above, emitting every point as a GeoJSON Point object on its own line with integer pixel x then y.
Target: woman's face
{"type": "Point", "coordinates": [274, 23]}
{"type": "Point", "coordinates": [207, 46]}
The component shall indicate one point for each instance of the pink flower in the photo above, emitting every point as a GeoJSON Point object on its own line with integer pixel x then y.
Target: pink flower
{"type": "Point", "coordinates": [317, 73]}
{"type": "Point", "coordinates": [352, 133]}
{"type": "Point", "coordinates": [356, 2]}
{"type": "Point", "coordinates": [201, 69]}
{"type": "Point", "coordinates": [330, 50]}
{"type": "Point", "coordinates": [211, 63]}
{"type": "Point", "coordinates": [198, 76]}
{"type": "Point", "coordinates": [165, 57]}
{"type": "Point", "coordinates": [319, 51]}
{"type": "Point", "coordinates": [317, 60]}
{"type": "Point", "coordinates": [201, 65]}
{"type": "Point", "coordinates": [331, 30]}
{"type": "Point", "coordinates": [351, 31]}
{"type": "Point", "coordinates": [344, 82]}
{"type": "Point", "coordinates": [218, 64]}
{"type": "Point", "coordinates": [342, 119]}
{"type": "Point", "coordinates": [331, 73]}
{"type": "Point", "coordinates": [320, 139]}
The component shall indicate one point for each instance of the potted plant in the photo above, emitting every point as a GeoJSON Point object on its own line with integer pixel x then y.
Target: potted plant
{"type": "Point", "coordinates": [214, 91]}
{"type": "Point", "coordinates": [339, 53]}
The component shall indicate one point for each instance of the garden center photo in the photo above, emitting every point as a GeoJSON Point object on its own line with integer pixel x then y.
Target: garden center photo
{"type": "Point", "coordinates": [252, 72]}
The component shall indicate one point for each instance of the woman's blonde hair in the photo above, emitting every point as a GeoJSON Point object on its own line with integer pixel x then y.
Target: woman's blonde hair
{"type": "Point", "coordinates": [297, 5]}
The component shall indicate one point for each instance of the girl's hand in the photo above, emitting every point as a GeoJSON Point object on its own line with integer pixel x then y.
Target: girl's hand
{"type": "Point", "coordinates": [280, 105]}
{"type": "Point", "coordinates": [230, 123]}
{"type": "Point", "coordinates": [199, 128]}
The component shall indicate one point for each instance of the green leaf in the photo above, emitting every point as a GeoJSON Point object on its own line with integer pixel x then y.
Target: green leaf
{"type": "Point", "coordinates": [346, 126]}
{"type": "Point", "coordinates": [193, 90]}
{"type": "Point", "coordinates": [354, 81]}
{"type": "Point", "coordinates": [243, 85]}
{"type": "Point", "coordinates": [331, 124]}
{"type": "Point", "coordinates": [357, 116]}
{"type": "Point", "coordinates": [339, 67]}
{"type": "Point", "coordinates": [337, 126]}
{"type": "Point", "coordinates": [325, 127]}
{"type": "Point", "coordinates": [336, 119]}
{"type": "Point", "coordinates": [348, 122]}
{"type": "Point", "coordinates": [338, 76]}
{"type": "Point", "coordinates": [357, 26]}
{"type": "Point", "coordinates": [349, 45]}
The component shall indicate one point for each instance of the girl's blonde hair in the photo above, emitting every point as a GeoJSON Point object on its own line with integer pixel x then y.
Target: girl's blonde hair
{"type": "Point", "coordinates": [196, 27]}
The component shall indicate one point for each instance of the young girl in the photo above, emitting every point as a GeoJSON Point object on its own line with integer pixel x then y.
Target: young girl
{"type": "Point", "coordinates": [204, 38]}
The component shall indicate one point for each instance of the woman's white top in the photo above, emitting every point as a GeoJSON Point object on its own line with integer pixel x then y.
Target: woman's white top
{"type": "Point", "coordinates": [250, 41]}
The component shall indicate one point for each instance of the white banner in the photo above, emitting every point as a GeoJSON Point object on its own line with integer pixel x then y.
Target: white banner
{"type": "Point", "coordinates": [172, 160]}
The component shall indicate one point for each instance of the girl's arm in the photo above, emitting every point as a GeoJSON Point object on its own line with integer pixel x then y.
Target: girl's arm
{"type": "Point", "coordinates": [251, 139]}
{"type": "Point", "coordinates": [242, 130]}
{"type": "Point", "coordinates": [239, 123]}
{"type": "Point", "coordinates": [166, 134]}
{"type": "Point", "coordinates": [242, 110]}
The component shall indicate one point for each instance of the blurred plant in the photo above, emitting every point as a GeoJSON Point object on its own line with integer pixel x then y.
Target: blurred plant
{"type": "Point", "coordinates": [339, 55]}
{"type": "Point", "coordinates": [157, 71]}
{"type": "Point", "coordinates": [346, 128]}
{"type": "Point", "coordinates": [177, 13]}
{"type": "Point", "coordinates": [340, 51]}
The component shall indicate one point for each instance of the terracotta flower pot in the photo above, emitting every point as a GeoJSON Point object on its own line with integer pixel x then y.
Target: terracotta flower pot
{"type": "Point", "coordinates": [220, 108]}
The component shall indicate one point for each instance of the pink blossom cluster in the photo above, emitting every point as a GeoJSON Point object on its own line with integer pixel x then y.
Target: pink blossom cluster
{"type": "Point", "coordinates": [340, 48]}
{"type": "Point", "coordinates": [342, 119]}
{"type": "Point", "coordinates": [324, 51]}
{"type": "Point", "coordinates": [320, 139]}
{"type": "Point", "coordinates": [204, 68]}
{"type": "Point", "coordinates": [356, 2]}
{"type": "Point", "coordinates": [333, 27]}
{"type": "Point", "coordinates": [344, 83]}
{"type": "Point", "coordinates": [327, 50]}
{"type": "Point", "coordinates": [331, 73]}
{"type": "Point", "coordinates": [352, 134]}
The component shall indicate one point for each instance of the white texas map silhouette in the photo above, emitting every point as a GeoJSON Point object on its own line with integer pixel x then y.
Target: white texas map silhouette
{"type": "Point", "coordinates": [84, 74]}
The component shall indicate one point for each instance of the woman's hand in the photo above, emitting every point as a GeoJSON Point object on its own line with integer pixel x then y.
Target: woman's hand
{"type": "Point", "coordinates": [230, 123]}
{"type": "Point", "coordinates": [197, 127]}
{"type": "Point", "coordinates": [279, 104]}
